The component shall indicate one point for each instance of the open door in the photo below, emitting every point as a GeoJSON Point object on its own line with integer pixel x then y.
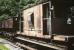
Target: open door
{"type": "Point", "coordinates": [47, 18]}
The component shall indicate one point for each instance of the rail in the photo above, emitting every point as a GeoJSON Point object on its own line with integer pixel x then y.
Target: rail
{"type": "Point", "coordinates": [45, 45]}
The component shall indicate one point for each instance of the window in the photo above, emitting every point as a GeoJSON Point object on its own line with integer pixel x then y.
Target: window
{"type": "Point", "coordinates": [31, 21]}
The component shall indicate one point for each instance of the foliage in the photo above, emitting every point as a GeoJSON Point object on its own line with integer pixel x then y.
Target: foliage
{"type": "Point", "coordinates": [10, 8]}
{"type": "Point", "coordinates": [3, 16]}
{"type": "Point", "coordinates": [2, 47]}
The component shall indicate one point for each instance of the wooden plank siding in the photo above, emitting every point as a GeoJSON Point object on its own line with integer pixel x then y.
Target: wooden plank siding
{"type": "Point", "coordinates": [37, 11]}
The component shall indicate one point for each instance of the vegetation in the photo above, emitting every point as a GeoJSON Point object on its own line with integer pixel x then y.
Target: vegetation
{"type": "Point", "coordinates": [11, 8]}
{"type": "Point", "coordinates": [2, 47]}
{"type": "Point", "coordinates": [2, 37]}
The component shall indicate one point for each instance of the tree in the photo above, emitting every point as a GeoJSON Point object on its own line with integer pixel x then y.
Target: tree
{"type": "Point", "coordinates": [10, 8]}
{"type": "Point", "coordinates": [7, 8]}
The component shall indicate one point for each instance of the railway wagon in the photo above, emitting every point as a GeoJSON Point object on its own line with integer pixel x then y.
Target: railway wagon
{"type": "Point", "coordinates": [53, 19]}
{"type": "Point", "coordinates": [37, 20]}
{"type": "Point", "coordinates": [9, 25]}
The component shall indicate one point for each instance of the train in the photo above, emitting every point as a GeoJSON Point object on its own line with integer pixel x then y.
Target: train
{"type": "Point", "coordinates": [53, 19]}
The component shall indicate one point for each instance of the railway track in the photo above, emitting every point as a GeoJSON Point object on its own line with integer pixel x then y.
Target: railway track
{"type": "Point", "coordinates": [31, 43]}
{"type": "Point", "coordinates": [25, 47]}
{"type": "Point", "coordinates": [37, 45]}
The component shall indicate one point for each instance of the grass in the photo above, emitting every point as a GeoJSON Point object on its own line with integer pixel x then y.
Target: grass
{"type": "Point", "coordinates": [2, 47]}
{"type": "Point", "coordinates": [1, 36]}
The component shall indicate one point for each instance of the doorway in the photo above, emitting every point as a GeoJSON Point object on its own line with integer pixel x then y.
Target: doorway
{"type": "Point", "coordinates": [46, 19]}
